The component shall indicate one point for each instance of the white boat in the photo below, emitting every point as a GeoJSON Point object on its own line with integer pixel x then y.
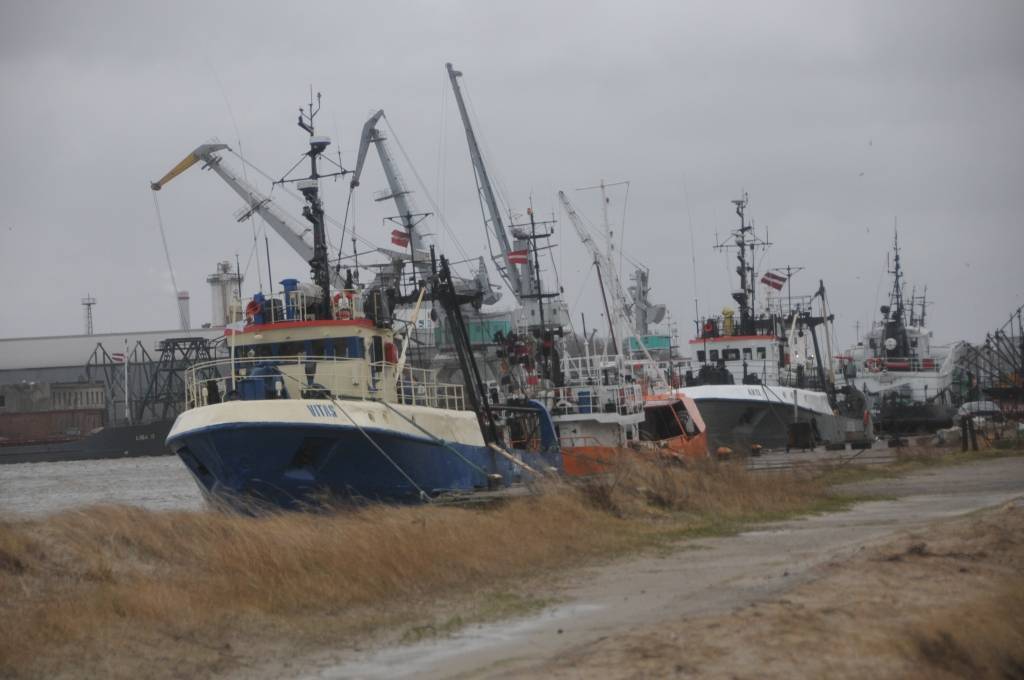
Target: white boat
{"type": "Point", "coordinates": [765, 379]}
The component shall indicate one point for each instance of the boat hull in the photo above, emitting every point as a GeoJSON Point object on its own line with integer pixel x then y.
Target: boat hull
{"type": "Point", "coordinates": [121, 441]}
{"type": "Point", "coordinates": [287, 461]}
{"type": "Point", "coordinates": [773, 421]}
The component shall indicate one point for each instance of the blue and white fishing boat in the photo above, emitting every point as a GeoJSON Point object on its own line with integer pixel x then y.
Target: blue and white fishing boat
{"type": "Point", "coordinates": [315, 399]}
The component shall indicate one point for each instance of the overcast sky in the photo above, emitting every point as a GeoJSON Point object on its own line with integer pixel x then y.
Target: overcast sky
{"type": "Point", "coordinates": [837, 118]}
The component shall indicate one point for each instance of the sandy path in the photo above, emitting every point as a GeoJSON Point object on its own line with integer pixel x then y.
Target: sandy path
{"type": "Point", "coordinates": [704, 578]}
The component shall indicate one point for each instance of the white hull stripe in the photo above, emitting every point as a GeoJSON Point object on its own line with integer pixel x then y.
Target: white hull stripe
{"type": "Point", "coordinates": [452, 426]}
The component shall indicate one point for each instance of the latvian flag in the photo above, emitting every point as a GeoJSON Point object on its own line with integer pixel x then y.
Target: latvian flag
{"type": "Point", "coordinates": [117, 357]}
{"type": "Point", "coordinates": [519, 256]}
{"type": "Point", "coordinates": [400, 238]}
{"type": "Point", "coordinates": [774, 280]}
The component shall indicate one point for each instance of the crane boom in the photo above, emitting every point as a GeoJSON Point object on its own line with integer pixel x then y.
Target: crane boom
{"type": "Point", "coordinates": [294, 233]}
{"type": "Point", "coordinates": [401, 195]}
{"type": "Point", "coordinates": [519, 284]}
{"type": "Point", "coordinates": [610, 277]}
{"type": "Point", "coordinates": [398, 192]}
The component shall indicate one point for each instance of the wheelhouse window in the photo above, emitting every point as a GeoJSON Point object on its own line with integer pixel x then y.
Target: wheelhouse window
{"type": "Point", "coordinates": [748, 353]}
{"type": "Point", "coordinates": [761, 353]}
{"type": "Point", "coordinates": [702, 356]}
{"type": "Point", "coordinates": [714, 355]}
{"type": "Point", "coordinates": [731, 354]}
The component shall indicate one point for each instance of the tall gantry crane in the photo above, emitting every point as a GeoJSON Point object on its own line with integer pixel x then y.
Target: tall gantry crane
{"type": "Point", "coordinates": [517, 261]}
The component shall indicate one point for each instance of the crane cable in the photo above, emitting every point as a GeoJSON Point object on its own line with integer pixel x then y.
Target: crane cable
{"type": "Point", "coordinates": [368, 243]}
{"type": "Point", "coordinates": [426, 192]}
{"type": "Point", "coordinates": [170, 268]}
{"type": "Point", "coordinates": [344, 225]}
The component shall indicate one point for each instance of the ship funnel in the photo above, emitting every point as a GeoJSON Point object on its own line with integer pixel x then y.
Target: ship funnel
{"type": "Point", "coordinates": [183, 310]}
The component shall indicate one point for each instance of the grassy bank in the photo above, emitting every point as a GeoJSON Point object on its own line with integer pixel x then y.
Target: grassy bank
{"type": "Point", "coordinates": [119, 591]}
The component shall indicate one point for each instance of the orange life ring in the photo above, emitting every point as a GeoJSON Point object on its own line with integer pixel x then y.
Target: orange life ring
{"type": "Point", "coordinates": [709, 327]}
{"type": "Point", "coordinates": [252, 309]}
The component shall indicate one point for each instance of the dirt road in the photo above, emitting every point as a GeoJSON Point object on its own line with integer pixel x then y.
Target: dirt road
{"type": "Point", "coordinates": [705, 578]}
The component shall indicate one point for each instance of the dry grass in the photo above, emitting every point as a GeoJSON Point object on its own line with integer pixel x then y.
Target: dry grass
{"type": "Point", "coordinates": [110, 589]}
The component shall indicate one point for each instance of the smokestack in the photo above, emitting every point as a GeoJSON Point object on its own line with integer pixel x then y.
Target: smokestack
{"type": "Point", "coordinates": [183, 311]}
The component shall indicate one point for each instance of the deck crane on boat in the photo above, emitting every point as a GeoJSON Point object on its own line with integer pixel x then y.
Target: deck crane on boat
{"type": "Point", "coordinates": [409, 218]}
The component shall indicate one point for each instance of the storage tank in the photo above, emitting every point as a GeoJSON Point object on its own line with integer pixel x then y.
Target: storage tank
{"type": "Point", "coordinates": [224, 284]}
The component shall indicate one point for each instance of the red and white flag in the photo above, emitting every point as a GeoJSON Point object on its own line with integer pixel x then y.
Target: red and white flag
{"type": "Point", "coordinates": [400, 237]}
{"type": "Point", "coordinates": [519, 256]}
{"type": "Point", "coordinates": [774, 280]}
{"type": "Point", "coordinates": [117, 357]}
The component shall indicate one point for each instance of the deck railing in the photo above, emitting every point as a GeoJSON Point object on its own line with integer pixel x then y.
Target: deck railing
{"type": "Point", "coordinates": [323, 377]}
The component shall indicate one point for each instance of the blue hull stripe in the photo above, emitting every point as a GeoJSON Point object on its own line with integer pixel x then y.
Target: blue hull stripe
{"type": "Point", "coordinates": [289, 464]}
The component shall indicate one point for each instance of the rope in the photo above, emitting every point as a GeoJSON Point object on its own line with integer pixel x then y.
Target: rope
{"type": "Point", "coordinates": [437, 440]}
{"type": "Point", "coordinates": [344, 224]}
{"type": "Point", "coordinates": [167, 255]}
{"type": "Point", "coordinates": [423, 494]}
{"type": "Point", "coordinates": [438, 211]}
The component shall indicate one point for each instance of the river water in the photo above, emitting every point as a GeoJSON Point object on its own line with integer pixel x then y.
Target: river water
{"type": "Point", "coordinates": [157, 483]}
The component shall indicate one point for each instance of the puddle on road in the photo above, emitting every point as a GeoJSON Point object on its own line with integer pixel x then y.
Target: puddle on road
{"type": "Point", "coordinates": [420, 658]}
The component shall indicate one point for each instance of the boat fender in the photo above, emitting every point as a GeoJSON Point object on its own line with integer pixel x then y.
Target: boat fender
{"type": "Point", "coordinates": [390, 353]}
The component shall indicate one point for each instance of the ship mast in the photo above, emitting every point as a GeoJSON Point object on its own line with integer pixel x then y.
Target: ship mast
{"type": "Point", "coordinates": [744, 240]}
{"type": "Point", "coordinates": [313, 211]}
{"type": "Point", "coordinates": [894, 314]}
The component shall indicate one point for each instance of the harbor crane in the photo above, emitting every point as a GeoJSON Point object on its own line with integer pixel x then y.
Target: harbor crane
{"type": "Point", "coordinates": [514, 262]}
{"type": "Point", "coordinates": [297, 235]}
{"type": "Point", "coordinates": [619, 313]}
{"type": "Point", "coordinates": [408, 218]}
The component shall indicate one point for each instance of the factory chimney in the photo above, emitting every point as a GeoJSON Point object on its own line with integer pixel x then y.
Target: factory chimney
{"type": "Point", "coordinates": [183, 310]}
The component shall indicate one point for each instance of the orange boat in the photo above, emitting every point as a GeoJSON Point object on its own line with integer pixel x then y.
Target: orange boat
{"type": "Point", "coordinates": [673, 427]}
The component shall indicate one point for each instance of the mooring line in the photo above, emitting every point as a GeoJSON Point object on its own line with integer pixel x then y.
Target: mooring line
{"type": "Point", "coordinates": [437, 440]}
{"type": "Point", "coordinates": [423, 494]}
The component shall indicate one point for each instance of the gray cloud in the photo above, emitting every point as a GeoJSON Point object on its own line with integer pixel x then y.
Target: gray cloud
{"type": "Point", "coordinates": [836, 117]}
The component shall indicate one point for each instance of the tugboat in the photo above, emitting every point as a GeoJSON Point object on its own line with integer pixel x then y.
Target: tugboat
{"type": "Point", "coordinates": [316, 399]}
{"type": "Point", "coordinates": [760, 384]}
{"type": "Point", "coordinates": [906, 377]}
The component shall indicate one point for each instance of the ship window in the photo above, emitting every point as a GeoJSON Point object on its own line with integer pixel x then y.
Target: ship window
{"type": "Point", "coordinates": [760, 353]}
{"type": "Point", "coordinates": [701, 356]}
{"type": "Point", "coordinates": [748, 353]}
{"type": "Point", "coordinates": [714, 355]}
{"type": "Point", "coordinates": [684, 417]}
{"type": "Point", "coordinates": [3, 400]}
{"type": "Point", "coordinates": [731, 354]}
